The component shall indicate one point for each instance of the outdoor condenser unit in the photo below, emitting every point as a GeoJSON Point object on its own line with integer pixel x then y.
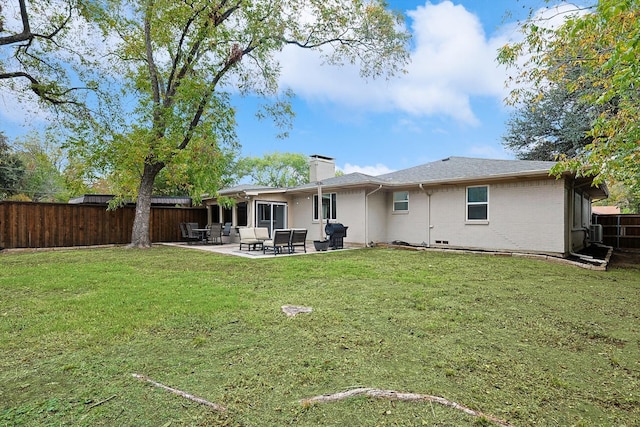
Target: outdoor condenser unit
{"type": "Point", "coordinates": [595, 233]}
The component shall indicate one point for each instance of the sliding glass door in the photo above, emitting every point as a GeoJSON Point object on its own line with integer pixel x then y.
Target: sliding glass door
{"type": "Point", "coordinates": [272, 215]}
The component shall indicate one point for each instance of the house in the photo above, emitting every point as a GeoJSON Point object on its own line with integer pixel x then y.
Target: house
{"type": "Point", "coordinates": [457, 202]}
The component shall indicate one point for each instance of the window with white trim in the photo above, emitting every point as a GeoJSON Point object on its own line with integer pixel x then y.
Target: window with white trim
{"type": "Point", "coordinates": [328, 206]}
{"type": "Point", "coordinates": [400, 201]}
{"type": "Point", "coordinates": [478, 203]}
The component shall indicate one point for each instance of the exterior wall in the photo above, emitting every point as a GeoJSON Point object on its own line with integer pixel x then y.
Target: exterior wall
{"type": "Point", "coordinates": [349, 211]}
{"type": "Point", "coordinates": [301, 216]}
{"type": "Point", "coordinates": [409, 226]}
{"type": "Point", "coordinates": [526, 216]}
{"type": "Point", "coordinates": [377, 217]}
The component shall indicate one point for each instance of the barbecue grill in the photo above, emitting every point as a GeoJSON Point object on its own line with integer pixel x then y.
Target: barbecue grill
{"type": "Point", "coordinates": [336, 233]}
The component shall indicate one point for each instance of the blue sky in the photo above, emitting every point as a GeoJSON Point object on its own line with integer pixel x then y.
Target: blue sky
{"type": "Point", "coordinates": [450, 103]}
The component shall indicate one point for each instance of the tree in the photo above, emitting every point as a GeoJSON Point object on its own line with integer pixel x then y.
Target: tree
{"type": "Point", "coordinates": [11, 169]}
{"type": "Point", "coordinates": [181, 61]}
{"type": "Point", "coordinates": [43, 179]}
{"type": "Point", "coordinates": [275, 169]}
{"type": "Point", "coordinates": [552, 124]}
{"type": "Point", "coordinates": [603, 45]}
{"type": "Point", "coordinates": [41, 58]}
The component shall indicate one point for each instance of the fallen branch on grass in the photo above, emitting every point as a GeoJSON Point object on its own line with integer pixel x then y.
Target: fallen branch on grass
{"type": "Point", "coordinates": [215, 406]}
{"type": "Point", "coordinates": [102, 401]}
{"type": "Point", "coordinates": [407, 397]}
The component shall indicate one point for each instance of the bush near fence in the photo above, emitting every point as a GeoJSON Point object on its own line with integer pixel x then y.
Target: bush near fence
{"type": "Point", "coordinates": [46, 225]}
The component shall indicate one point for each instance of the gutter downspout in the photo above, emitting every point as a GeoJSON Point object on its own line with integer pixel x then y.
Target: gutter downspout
{"type": "Point", "coordinates": [428, 193]}
{"type": "Point", "coordinates": [366, 215]}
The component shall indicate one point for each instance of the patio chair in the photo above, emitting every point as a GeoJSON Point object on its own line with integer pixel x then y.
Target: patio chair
{"type": "Point", "coordinates": [186, 234]}
{"type": "Point", "coordinates": [262, 233]}
{"type": "Point", "coordinates": [298, 239]}
{"type": "Point", "coordinates": [215, 233]}
{"type": "Point", "coordinates": [280, 240]}
{"type": "Point", "coordinates": [248, 238]}
{"type": "Point", "coordinates": [193, 235]}
{"type": "Point", "coordinates": [226, 231]}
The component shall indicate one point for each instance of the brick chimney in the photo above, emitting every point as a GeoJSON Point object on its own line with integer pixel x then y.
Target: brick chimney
{"type": "Point", "coordinates": [321, 167]}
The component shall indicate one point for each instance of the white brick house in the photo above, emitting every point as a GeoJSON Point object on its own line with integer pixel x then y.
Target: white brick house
{"type": "Point", "coordinates": [458, 202]}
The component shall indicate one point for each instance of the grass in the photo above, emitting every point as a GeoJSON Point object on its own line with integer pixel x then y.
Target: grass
{"type": "Point", "coordinates": [523, 340]}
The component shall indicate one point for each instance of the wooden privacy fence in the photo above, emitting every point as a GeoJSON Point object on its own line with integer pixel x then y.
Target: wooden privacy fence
{"type": "Point", "coordinates": [622, 231]}
{"type": "Point", "coordinates": [46, 225]}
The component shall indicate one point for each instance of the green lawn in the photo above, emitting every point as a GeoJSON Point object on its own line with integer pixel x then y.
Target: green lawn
{"type": "Point", "coordinates": [526, 341]}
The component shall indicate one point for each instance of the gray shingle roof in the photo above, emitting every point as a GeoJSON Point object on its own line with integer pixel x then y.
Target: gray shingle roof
{"type": "Point", "coordinates": [460, 168]}
{"type": "Point", "coordinates": [449, 169]}
{"type": "Point", "coordinates": [245, 187]}
{"type": "Point", "coordinates": [344, 180]}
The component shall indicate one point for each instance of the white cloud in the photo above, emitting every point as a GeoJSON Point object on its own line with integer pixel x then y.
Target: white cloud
{"type": "Point", "coordinates": [378, 169]}
{"type": "Point", "coordinates": [452, 61]}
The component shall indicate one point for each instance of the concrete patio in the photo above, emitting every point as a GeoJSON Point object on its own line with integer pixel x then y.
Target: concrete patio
{"type": "Point", "coordinates": [234, 249]}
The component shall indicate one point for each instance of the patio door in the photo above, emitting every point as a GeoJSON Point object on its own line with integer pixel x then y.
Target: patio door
{"type": "Point", "coordinates": [272, 215]}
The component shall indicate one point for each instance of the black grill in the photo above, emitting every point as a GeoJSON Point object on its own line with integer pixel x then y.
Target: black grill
{"type": "Point", "coordinates": [336, 233]}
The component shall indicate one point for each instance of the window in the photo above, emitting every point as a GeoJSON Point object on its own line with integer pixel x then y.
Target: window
{"type": "Point", "coordinates": [478, 203]}
{"type": "Point", "coordinates": [241, 209]}
{"type": "Point", "coordinates": [264, 212]}
{"type": "Point", "coordinates": [401, 201]}
{"type": "Point", "coordinates": [227, 215]}
{"type": "Point", "coordinates": [581, 210]}
{"type": "Point", "coordinates": [328, 206]}
{"type": "Point", "coordinates": [215, 213]}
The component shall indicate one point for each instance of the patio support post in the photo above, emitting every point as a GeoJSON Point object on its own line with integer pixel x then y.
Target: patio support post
{"type": "Point", "coordinates": [319, 206]}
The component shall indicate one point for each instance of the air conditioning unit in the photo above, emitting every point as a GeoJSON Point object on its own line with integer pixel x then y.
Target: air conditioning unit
{"type": "Point", "coordinates": [595, 233]}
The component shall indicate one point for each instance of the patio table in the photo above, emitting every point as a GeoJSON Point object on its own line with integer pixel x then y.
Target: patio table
{"type": "Point", "coordinates": [202, 233]}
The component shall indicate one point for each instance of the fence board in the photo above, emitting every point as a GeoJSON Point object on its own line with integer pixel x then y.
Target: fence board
{"type": "Point", "coordinates": [622, 231]}
{"type": "Point", "coordinates": [45, 225]}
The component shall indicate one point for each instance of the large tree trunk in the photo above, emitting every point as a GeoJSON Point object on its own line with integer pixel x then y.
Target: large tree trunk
{"type": "Point", "coordinates": [140, 237]}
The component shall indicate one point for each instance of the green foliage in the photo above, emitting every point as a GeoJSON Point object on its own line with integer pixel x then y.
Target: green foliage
{"type": "Point", "coordinates": [603, 45]}
{"type": "Point", "coordinates": [11, 169]}
{"type": "Point", "coordinates": [527, 341]}
{"type": "Point", "coordinates": [179, 63]}
{"type": "Point", "coordinates": [43, 180]}
{"type": "Point", "coordinates": [275, 169]}
{"type": "Point", "coordinates": [49, 54]}
{"type": "Point", "coordinates": [619, 195]}
{"type": "Point", "coordinates": [552, 124]}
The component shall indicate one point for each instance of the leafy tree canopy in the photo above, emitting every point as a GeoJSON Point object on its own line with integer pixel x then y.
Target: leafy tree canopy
{"type": "Point", "coordinates": [11, 169]}
{"type": "Point", "coordinates": [275, 169]}
{"type": "Point", "coordinates": [43, 179]}
{"type": "Point", "coordinates": [45, 52]}
{"type": "Point", "coordinates": [179, 62]}
{"type": "Point", "coordinates": [603, 45]}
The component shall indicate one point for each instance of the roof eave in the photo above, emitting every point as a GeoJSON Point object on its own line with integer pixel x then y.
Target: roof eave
{"type": "Point", "coordinates": [484, 178]}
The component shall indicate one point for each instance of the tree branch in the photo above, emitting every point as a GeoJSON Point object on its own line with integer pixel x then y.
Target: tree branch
{"type": "Point", "coordinates": [153, 71]}
{"type": "Point", "coordinates": [407, 397]}
{"type": "Point", "coordinates": [56, 98]}
{"type": "Point", "coordinates": [26, 29]}
{"type": "Point", "coordinates": [191, 397]}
